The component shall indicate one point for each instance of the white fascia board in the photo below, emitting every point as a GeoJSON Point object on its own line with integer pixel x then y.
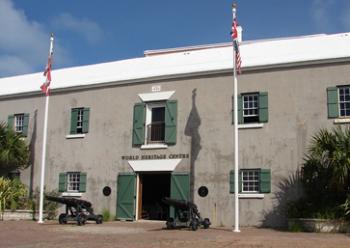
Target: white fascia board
{"type": "Point", "coordinates": [154, 165]}
{"type": "Point", "coordinates": [156, 96]}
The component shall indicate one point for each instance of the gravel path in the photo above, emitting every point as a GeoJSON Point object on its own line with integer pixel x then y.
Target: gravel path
{"type": "Point", "coordinates": [29, 234]}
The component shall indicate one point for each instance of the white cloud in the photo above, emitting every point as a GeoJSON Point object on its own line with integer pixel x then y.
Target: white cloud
{"type": "Point", "coordinates": [24, 44]}
{"type": "Point", "coordinates": [90, 30]}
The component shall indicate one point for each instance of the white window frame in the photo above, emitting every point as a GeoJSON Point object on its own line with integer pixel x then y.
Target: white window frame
{"type": "Point", "coordinates": [80, 120]}
{"type": "Point", "coordinates": [149, 107]}
{"type": "Point", "coordinates": [253, 108]}
{"type": "Point", "coordinates": [344, 101]}
{"type": "Point", "coordinates": [256, 179]}
{"type": "Point", "coordinates": [19, 121]}
{"type": "Point", "coordinates": [73, 181]}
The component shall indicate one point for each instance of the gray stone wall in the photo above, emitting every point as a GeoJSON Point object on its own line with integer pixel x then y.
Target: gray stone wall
{"type": "Point", "coordinates": [297, 109]}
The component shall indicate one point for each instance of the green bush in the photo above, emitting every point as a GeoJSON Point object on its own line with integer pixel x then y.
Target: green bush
{"type": "Point", "coordinates": [325, 177]}
{"type": "Point", "coordinates": [106, 215]}
{"type": "Point", "coordinates": [50, 207]}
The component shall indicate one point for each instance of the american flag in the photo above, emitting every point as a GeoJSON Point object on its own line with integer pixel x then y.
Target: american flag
{"type": "Point", "coordinates": [45, 87]}
{"type": "Point", "coordinates": [234, 35]}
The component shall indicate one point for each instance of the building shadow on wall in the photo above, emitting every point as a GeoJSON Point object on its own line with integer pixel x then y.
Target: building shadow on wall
{"type": "Point", "coordinates": [32, 154]}
{"type": "Point", "coordinates": [192, 130]}
{"type": "Point", "coordinates": [289, 189]}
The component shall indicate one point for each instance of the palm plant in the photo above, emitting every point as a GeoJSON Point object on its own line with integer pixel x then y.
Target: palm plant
{"type": "Point", "coordinates": [326, 170]}
{"type": "Point", "coordinates": [14, 152]}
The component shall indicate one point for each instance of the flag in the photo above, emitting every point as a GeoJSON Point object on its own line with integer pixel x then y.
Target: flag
{"type": "Point", "coordinates": [234, 35]}
{"type": "Point", "coordinates": [45, 87]}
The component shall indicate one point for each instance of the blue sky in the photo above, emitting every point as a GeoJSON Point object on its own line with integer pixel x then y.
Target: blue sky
{"type": "Point", "coordinates": [95, 31]}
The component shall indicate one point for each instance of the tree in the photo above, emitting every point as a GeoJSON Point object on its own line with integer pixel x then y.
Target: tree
{"type": "Point", "coordinates": [325, 175]}
{"type": "Point", "coordinates": [14, 152]}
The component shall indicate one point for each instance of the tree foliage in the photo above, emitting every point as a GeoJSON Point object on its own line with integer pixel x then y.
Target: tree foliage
{"type": "Point", "coordinates": [14, 152]}
{"type": "Point", "coordinates": [9, 190]}
{"type": "Point", "coordinates": [325, 175]}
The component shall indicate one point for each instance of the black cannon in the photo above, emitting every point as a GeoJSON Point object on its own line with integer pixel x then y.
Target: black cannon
{"type": "Point", "coordinates": [76, 210]}
{"type": "Point", "coordinates": [186, 214]}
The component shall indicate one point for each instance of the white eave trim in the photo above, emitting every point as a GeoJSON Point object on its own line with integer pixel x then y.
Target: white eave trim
{"type": "Point", "coordinates": [154, 165]}
{"type": "Point", "coordinates": [156, 96]}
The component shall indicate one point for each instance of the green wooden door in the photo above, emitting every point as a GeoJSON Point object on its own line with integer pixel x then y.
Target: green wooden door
{"type": "Point", "coordinates": [126, 195]}
{"type": "Point", "coordinates": [179, 188]}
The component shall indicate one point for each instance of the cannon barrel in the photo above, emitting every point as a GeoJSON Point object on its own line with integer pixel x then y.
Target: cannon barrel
{"type": "Point", "coordinates": [69, 201]}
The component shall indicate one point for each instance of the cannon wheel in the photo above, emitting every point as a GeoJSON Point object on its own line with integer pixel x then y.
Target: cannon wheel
{"type": "Point", "coordinates": [170, 224]}
{"type": "Point", "coordinates": [81, 219]}
{"type": "Point", "coordinates": [99, 219]}
{"type": "Point", "coordinates": [206, 223]}
{"type": "Point", "coordinates": [194, 224]}
{"type": "Point", "coordinates": [62, 219]}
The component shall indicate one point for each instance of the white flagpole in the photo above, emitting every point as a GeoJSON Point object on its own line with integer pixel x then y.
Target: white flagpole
{"type": "Point", "coordinates": [235, 123]}
{"type": "Point", "coordinates": [43, 155]}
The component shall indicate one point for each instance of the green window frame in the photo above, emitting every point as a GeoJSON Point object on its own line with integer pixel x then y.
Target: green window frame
{"type": "Point", "coordinates": [140, 130]}
{"type": "Point", "coordinates": [19, 123]}
{"type": "Point", "coordinates": [64, 182]}
{"type": "Point", "coordinates": [252, 108]}
{"type": "Point", "coordinates": [79, 123]}
{"type": "Point", "coordinates": [264, 181]}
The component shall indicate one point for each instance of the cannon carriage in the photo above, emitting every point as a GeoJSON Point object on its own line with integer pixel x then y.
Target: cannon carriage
{"type": "Point", "coordinates": [76, 210]}
{"type": "Point", "coordinates": [186, 215]}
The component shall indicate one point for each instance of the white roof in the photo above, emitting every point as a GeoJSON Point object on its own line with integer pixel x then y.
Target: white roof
{"type": "Point", "coordinates": [177, 62]}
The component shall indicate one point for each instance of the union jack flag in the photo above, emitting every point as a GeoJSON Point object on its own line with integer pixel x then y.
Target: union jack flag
{"type": "Point", "coordinates": [234, 35]}
{"type": "Point", "coordinates": [45, 87]}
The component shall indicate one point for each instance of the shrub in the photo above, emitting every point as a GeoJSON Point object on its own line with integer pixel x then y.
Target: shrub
{"type": "Point", "coordinates": [325, 177]}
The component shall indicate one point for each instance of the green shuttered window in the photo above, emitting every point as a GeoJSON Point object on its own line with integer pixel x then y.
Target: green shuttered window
{"type": "Point", "coordinates": [155, 123]}
{"type": "Point", "coordinates": [252, 181]}
{"type": "Point", "coordinates": [19, 123]}
{"type": "Point", "coordinates": [252, 108]}
{"type": "Point", "coordinates": [79, 120]}
{"type": "Point", "coordinates": [72, 182]}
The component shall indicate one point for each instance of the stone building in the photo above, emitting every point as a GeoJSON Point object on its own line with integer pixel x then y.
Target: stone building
{"type": "Point", "coordinates": [126, 134]}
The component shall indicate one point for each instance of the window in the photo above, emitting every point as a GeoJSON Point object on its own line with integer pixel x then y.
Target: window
{"type": "Point", "coordinates": [344, 101]}
{"type": "Point", "coordinates": [155, 123]}
{"type": "Point", "coordinates": [79, 120]}
{"type": "Point", "coordinates": [72, 182]}
{"type": "Point", "coordinates": [252, 108]}
{"type": "Point", "coordinates": [19, 123]}
{"type": "Point", "coordinates": [252, 181]}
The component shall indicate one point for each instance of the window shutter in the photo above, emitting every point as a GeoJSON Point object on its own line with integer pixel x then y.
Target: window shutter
{"type": "Point", "coordinates": [263, 107]}
{"type": "Point", "coordinates": [73, 121]}
{"type": "Point", "coordinates": [25, 124]}
{"type": "Point", "coordinates": [10, 121]}
{"type": "Point", "coordinates": [240, 110]}
{"type": "Point", "coordinates": [82, 182]}
{"type": "Point", "coordinates": [138, 130]}
{"type": "Point", "coordinates": [170, 121]}
{"type": "Point", "coordinates": [86, 116]}
{"type": "Point", "coordinates": [332, 102]}
{"type": "Point", "coordinates": [232, 181]}
{"type": "Point", "coordinates": [62, 182]}
{"type": "Point", "coordinates": [265, 181]}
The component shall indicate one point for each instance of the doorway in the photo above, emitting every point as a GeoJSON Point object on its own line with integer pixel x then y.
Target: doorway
{"type": "Point", "coordinates": [152, 189]}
